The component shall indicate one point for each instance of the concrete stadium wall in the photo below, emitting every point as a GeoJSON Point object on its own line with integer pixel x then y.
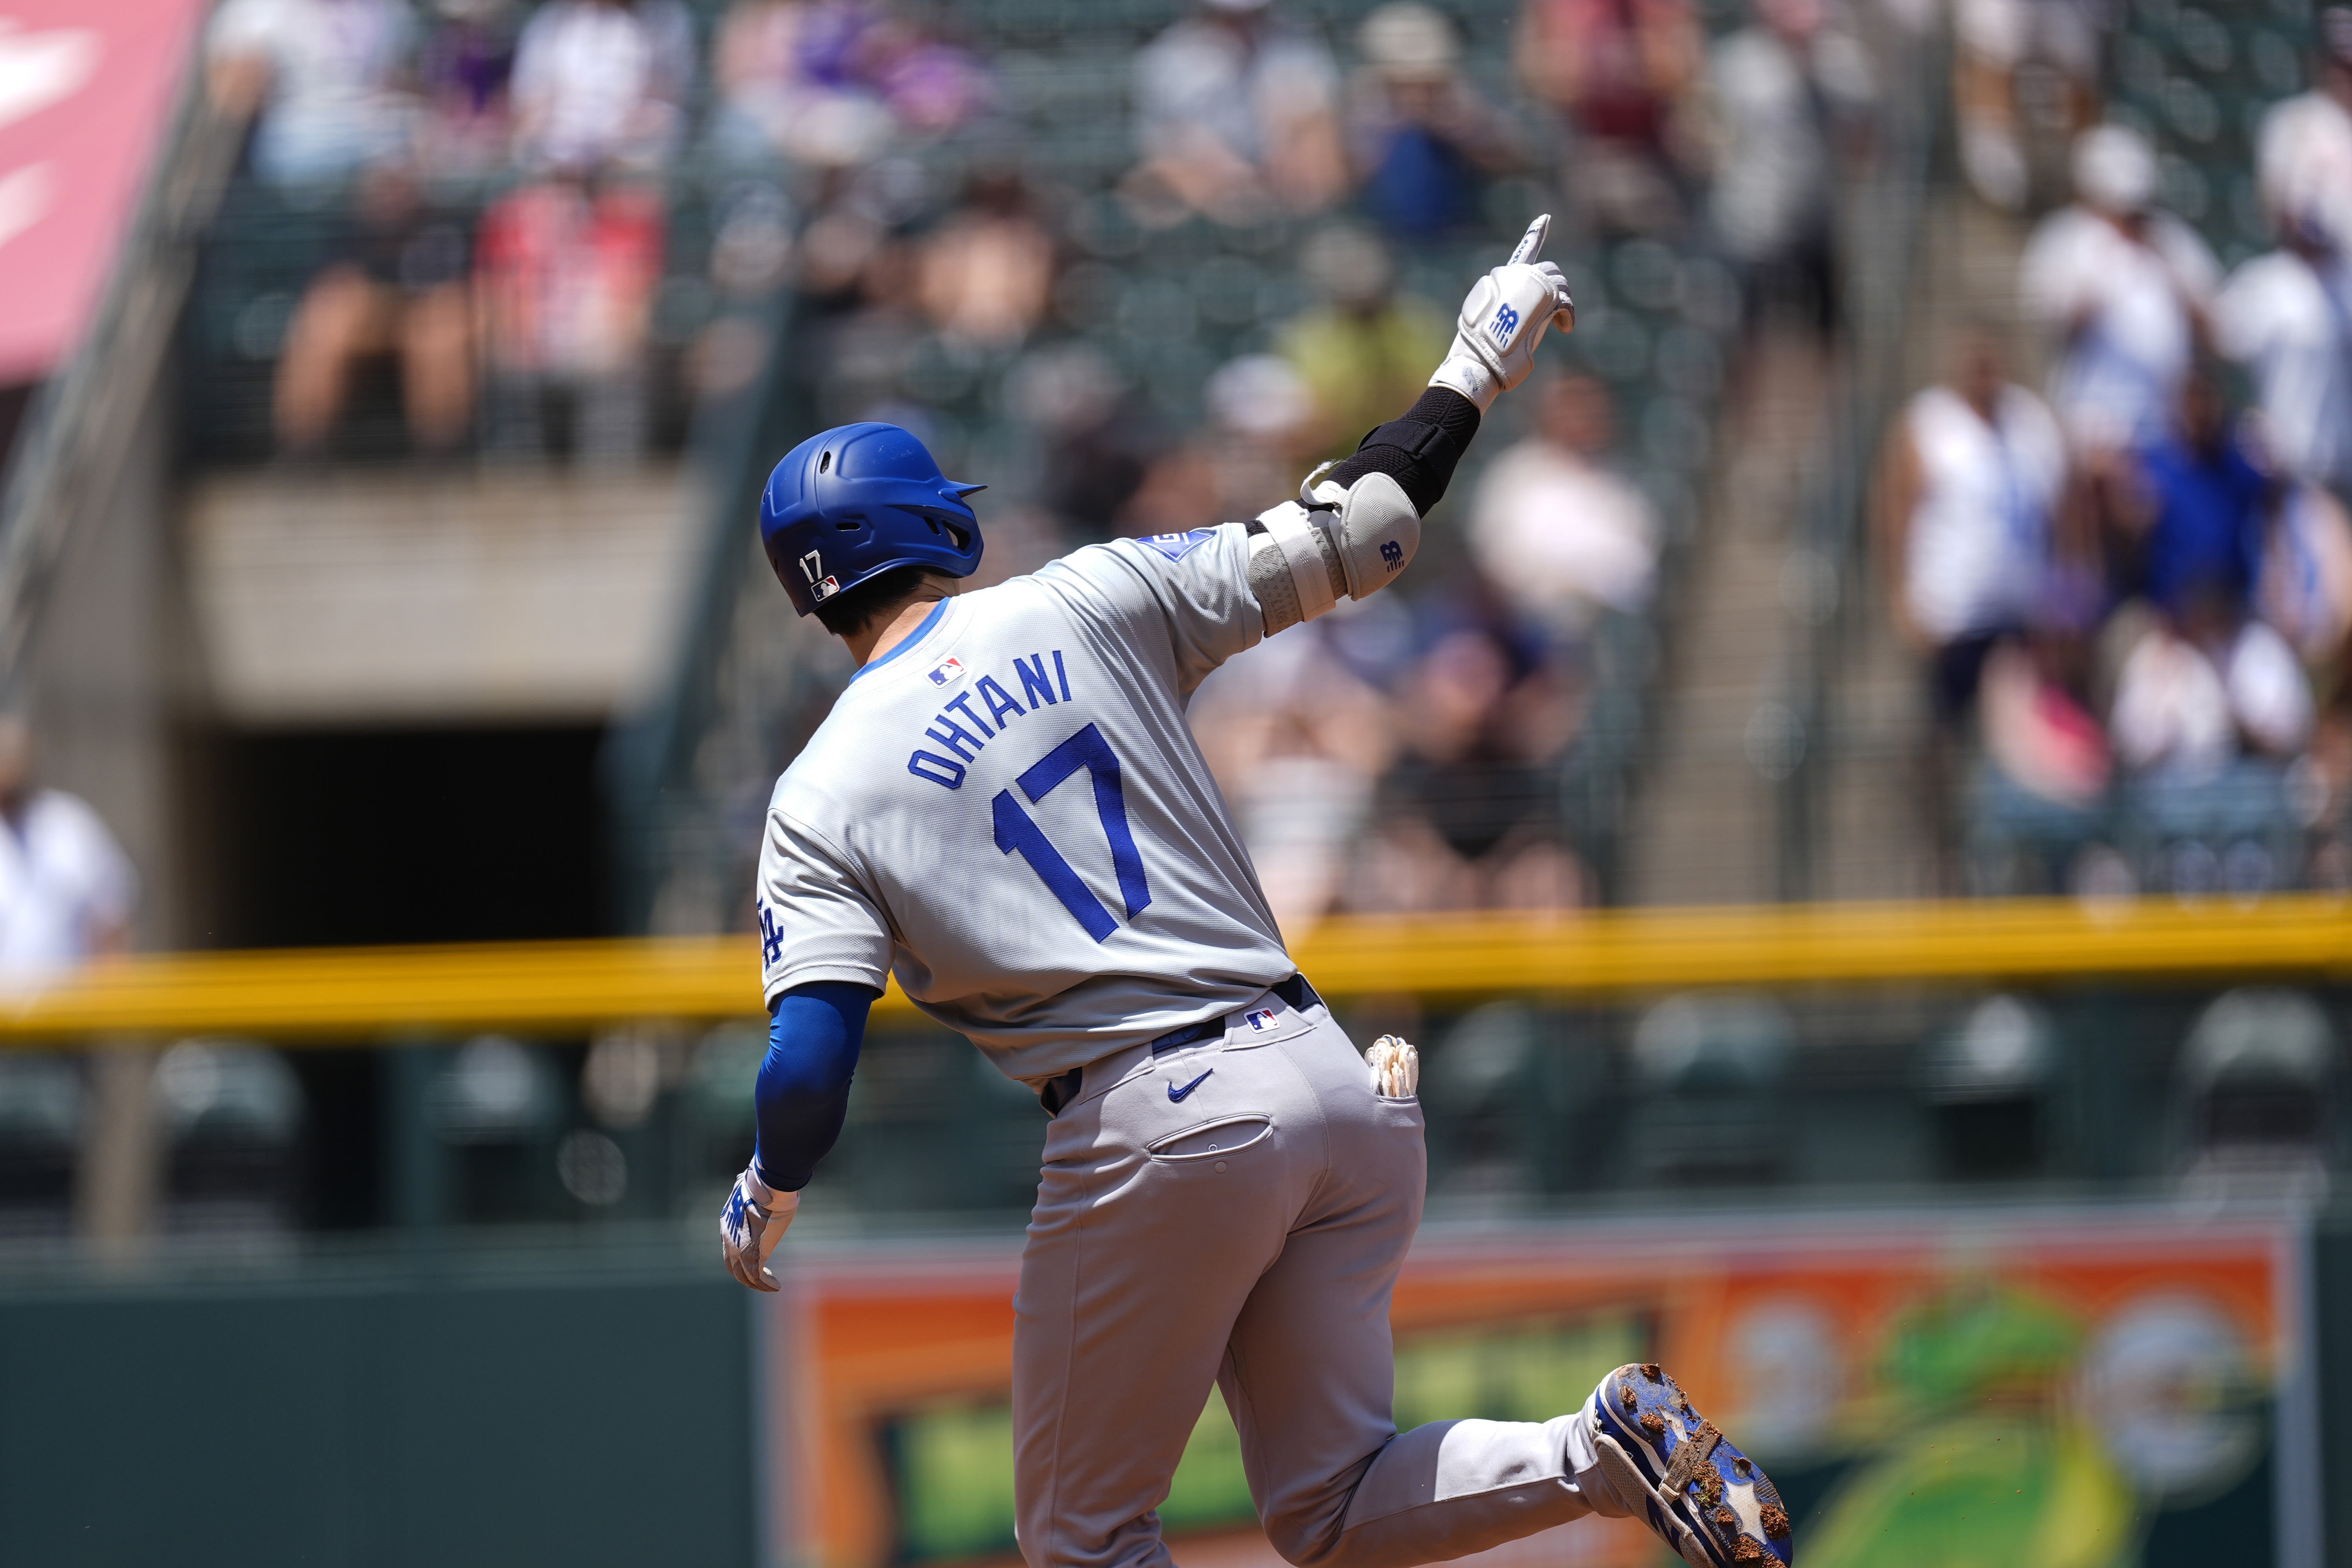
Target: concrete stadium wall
{"type": "Point", "coordinates": [443, 1412]}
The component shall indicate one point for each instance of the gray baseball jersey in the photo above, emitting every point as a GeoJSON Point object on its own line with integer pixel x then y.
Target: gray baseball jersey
{"type": "Point", "coordinates": [1009, 811]}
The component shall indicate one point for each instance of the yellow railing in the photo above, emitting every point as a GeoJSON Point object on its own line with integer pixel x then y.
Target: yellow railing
{"type": "Point", "coordinates": [553, 988]}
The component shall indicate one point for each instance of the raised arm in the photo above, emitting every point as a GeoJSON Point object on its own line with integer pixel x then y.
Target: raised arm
{"type": "Point", "coordinates": [1357, 523]}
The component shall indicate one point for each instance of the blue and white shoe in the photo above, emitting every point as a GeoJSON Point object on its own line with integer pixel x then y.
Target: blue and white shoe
{"type": "Point", "coordinates": [1697, 1493]}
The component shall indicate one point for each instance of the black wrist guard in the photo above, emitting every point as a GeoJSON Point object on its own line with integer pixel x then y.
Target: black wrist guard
{"type": "Point", "coordinates": [1418, 451]}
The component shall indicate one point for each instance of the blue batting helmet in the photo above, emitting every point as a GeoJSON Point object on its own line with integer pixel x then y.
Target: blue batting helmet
{"type": "Point", "coordinates": [854, 502]}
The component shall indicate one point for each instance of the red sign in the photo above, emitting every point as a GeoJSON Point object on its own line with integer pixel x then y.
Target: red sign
{"type": "Point", "coordinates": [85, 87]}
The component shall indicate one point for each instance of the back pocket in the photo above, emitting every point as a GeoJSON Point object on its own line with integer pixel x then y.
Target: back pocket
{"type": "Point", "coordinates": [1212, 1139]}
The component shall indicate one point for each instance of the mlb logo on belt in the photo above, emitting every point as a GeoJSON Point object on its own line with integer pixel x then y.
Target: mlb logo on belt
{"type": "Point", "coordinates": [946, 671]}
{"type": "Point", "coordinates": [1261, 1020]}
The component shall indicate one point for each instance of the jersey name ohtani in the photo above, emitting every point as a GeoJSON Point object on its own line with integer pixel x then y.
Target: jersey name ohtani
{"type": "Point", "coordinates": [1080, 886]}
{"type": "Point", "coordinates": [958, 727]}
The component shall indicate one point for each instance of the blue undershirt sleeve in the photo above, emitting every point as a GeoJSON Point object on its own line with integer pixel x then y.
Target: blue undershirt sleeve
{"type": "Point", "coordinates": [802, 1093]}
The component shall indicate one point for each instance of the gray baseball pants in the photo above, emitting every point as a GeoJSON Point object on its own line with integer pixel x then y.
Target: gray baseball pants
{"type": "Point", "coordinates": [1247, 1233]}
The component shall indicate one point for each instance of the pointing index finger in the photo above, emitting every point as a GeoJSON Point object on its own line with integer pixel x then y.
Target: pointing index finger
{"type": "Point", "coordinates": [1531, 243]}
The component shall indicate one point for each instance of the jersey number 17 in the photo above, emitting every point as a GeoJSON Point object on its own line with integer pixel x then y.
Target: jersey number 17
{"type": "Point", "coordinates": [1017, 833]}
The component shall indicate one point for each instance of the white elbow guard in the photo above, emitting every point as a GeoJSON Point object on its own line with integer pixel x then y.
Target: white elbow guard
{"type": "Point", "coordinates": [1305, 553]}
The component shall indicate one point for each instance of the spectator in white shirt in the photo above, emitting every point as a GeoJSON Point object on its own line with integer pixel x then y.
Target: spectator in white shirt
{"type": "Point", "coordinates": [1970, 489]}
{"type": "Point", "coordinates": [1558, 533]}
{"type": "Point", "coordinates": [66, 888]}
{"type": "Point", "coordinates": [2188, 705]}
{"type": "Point", "coordinates": [2124, 286]}
{"type": "Point", "coordinates": [2288, 316]}
{"type": "Point", "coordinates": [326, 77]}
{"type": "Point", "coordinates": [2303, 155]}
{"type": "Point", "coordinates": [603, 82]}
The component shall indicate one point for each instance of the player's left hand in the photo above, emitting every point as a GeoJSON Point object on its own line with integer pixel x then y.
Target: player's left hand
{"type": "Point", "coordinates": [754, 1220]}
{"type": "Point", "coordinates": [1503, 320]}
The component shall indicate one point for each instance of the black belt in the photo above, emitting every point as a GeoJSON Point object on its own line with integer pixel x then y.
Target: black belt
{"type": "Point", "coordinates": [1295, 992]}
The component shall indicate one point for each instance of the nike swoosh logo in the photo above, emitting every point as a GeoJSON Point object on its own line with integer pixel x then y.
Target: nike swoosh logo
{"type": "Point", "coordinates": [1175, 1093]}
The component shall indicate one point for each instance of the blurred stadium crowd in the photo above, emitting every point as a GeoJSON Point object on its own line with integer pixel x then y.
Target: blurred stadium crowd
{"type": "Point", "coordinates": [2134, 594]}
{"type": "Point", "coordinates": [1138, 274]}
{"type": "Point", "coordinates": [1945, 491]}
{"type": "Point", "coordinates": [1138, 265]}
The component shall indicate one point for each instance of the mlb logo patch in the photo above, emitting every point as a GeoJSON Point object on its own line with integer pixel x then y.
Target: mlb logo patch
{"type": "Point", "coordinates": [825, 587]}
{"type": "Point", "coordinates": [1176, 546]}
{"type": "Point", "coordinates": [947, 672]}
{"type": "Point", "coordinates": [1262, 1020]}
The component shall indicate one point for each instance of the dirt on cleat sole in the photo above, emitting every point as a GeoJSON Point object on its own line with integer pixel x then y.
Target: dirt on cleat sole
{"type": "Point", "coordinates": [1712, 1504]}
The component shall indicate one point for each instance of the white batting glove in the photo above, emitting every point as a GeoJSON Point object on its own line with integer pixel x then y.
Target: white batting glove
{"type": "Point", "coordinates": [1503, 320]}
{"type": "Point", "coordinates": [1395, 1067]}
{"type": "Point", "coordinates": [754, 1220]}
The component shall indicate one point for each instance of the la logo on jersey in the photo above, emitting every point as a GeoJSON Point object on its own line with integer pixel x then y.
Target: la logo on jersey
{"type": "Point", "coordinates": [1176, 546]}
{"type": "Point", "coordinates": [1261, 1020]}
{"type": "Point", "coordinates": [947, 672]}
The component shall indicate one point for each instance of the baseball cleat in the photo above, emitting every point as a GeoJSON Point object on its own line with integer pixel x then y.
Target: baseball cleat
{"type": "Point", "coordinates": [1697, 1493]}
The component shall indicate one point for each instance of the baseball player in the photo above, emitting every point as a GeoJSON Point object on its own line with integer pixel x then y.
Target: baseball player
{"type": "Point", "coordinates": [1006, 810]}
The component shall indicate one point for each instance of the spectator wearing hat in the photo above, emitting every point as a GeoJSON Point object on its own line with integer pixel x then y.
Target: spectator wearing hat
{"type": "Point", "coordinates": [1360, 350]}
{"type": "Point", "coordinates": [1236, 114]}
{"type": "Point", "coordinates": [1422, 140]}
{"type": "Point", "coordinates": [2123, 286]}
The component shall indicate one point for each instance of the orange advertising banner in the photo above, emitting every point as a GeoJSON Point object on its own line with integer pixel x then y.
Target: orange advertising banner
{"type": "Point", "coordinates": [2013, 1388]}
